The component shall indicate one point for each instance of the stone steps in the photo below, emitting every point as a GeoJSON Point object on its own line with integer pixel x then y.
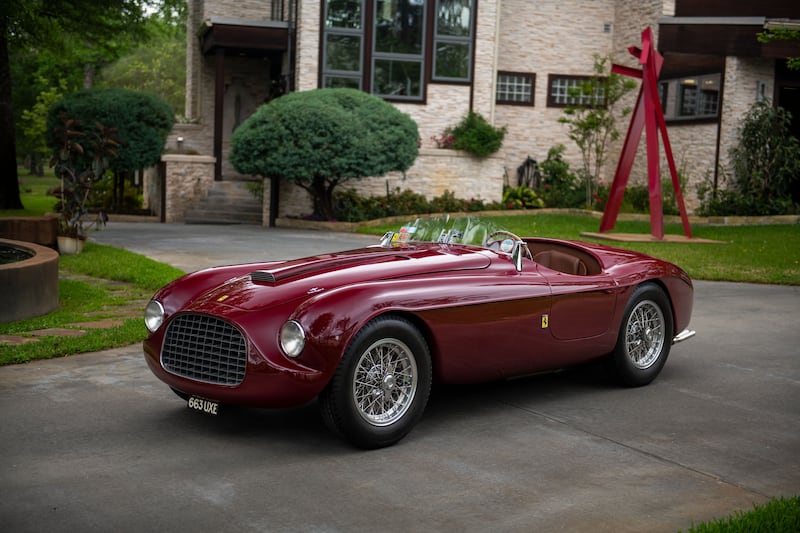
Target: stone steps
{"type": "Point", "coordinates": [228, 202]}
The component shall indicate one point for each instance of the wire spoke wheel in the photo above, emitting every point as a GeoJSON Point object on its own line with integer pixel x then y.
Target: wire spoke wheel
{"type": "Point", "coordinates": [385, 382]}
{"type": "Point", "coordinates": [645, 334]}
{"type": "Point", "coordinates": [381, 386]}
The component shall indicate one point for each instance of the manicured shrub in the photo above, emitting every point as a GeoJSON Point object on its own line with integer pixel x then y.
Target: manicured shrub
{"type": "Point", "coordinates": [322, 138]}
{"type": "Point", "coordinates": [142, 122]}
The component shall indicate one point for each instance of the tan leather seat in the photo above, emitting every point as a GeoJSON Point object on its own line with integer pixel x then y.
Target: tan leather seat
{"type": "Point", "coordinates": [562, 262]}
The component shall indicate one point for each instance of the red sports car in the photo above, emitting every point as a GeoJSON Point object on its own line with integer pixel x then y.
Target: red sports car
{"type": "Point", "coordinates": [367, 331]}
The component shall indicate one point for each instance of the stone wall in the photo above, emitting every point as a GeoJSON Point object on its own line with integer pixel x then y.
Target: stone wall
{"type": "Point", "coordinates": [308, 26]}
{"type": "Point", "coordinates": [434, 172]}
{"type": "Point", "coordinates": [189, 178]}
{"type": "Point", "coordinates": [740, 83]}
{"type": "Point", "coordinates": [546, 37]}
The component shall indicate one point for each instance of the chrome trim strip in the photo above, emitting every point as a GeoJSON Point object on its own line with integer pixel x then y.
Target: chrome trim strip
{"type": "Point", "coordinates": [683, 335]}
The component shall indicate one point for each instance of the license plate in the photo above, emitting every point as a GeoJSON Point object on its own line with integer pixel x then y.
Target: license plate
{"type": "Point", "coordinates": [208, 407]}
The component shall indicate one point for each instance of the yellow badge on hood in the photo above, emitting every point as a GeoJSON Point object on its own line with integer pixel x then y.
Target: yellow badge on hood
{"type": "Point", "coordinates": [222, 298]}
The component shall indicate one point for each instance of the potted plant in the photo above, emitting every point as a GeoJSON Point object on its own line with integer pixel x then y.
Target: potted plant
{"type": "Point", "coordinates": [80, 160]}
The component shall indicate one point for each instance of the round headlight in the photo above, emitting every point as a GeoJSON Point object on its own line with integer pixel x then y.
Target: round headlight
{"type": "Point", "coordinates": [293, 338]}
{"type": "Point", "coordinates": [153, 315]}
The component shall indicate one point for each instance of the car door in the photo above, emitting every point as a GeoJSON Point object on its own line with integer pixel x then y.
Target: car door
{"type": "Point", "coordinates": [582, 306]}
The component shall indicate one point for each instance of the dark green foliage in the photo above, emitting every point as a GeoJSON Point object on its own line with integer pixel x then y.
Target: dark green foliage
{"type": "Point", "coordinates": [766, 168]}
{"type": "Point", "coordinates": [521, 197]}
{"type": "Point", "coordinates": [559, 186]}
{"type": "Point", "coordinates": [637, 197]}
{"type": "Point", "coordinates": [777, 516]}
{"type": "Point", "coordinates": [143, 122]}
{"type": "Point", "coordinates": [321, 138]}
{"type": "Point", "coordinates": [80, 157]}
{"type": "Point", "coordinates": [476, 136]}
{"type": "Point", "coordinates": [593, 124]}
{"type": "Point", "coordinates": [349, 206]}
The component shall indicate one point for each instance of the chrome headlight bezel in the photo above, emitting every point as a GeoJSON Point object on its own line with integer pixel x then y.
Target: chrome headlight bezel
{"type": "Point", "coordinates": [292, 338]}
{"type": "Point", "coordinates": [153, 315]}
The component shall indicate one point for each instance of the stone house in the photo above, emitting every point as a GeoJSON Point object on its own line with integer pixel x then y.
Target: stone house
{"type": "Point", "coordinates": [512, 61]}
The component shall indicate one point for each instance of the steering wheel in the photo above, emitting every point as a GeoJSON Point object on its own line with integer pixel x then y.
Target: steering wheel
{"type": "Point", "coordinates": [494, 243]}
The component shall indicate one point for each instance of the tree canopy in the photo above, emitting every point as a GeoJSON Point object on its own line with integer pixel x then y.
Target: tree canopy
{"type": "Point", "coordinates": [320, 138]}
{"type": "Point", "coordinates": [142, 121]}
{"type": "Point", "coordinates": [46, 42]}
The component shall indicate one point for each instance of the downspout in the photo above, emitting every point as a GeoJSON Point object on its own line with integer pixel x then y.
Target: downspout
{"type": "Point", "coordinates": [290, 45]}
{"type": "Point", "coordinates": [719, 130]}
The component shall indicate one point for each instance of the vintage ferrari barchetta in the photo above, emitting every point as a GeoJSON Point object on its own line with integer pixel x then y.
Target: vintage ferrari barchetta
{"type": "Point", "coordinates": [367, 331]}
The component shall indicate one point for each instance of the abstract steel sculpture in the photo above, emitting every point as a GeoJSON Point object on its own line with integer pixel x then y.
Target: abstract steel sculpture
{"type": "Point", "coordinates": [647, 115]}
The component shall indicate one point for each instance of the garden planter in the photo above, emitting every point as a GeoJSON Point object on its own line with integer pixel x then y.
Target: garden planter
{"type": "Point", "coordinates": [69, 245]}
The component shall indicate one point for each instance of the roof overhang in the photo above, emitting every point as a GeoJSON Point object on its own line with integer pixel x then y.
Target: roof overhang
{"type": "Point", "coordinates": [243, 37]}
{"type": "Point", "coordinates": [723, 36]}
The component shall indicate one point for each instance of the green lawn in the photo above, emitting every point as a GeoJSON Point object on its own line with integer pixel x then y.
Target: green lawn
{"type": "Point", "coordinates": [33, 193]}
{"type": "Point", "coordinates": [78, 299]}
{"type": "Point", "coordinates": [753, 254]}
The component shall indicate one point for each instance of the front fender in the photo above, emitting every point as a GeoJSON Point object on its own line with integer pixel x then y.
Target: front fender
{"type": "Point", "coordinates": [332, 318]}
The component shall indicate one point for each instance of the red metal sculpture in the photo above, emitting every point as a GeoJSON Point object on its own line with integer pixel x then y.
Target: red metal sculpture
{"type": "Point", "coordinates": [647, 115]}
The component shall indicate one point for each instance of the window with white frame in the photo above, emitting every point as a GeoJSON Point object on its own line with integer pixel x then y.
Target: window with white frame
{"type": "Point", "coordinates": [392, 48]}
{"type": "Point", "coordinates": [515, 88]}
{"type": "Point", "coordinates": [573, 90]}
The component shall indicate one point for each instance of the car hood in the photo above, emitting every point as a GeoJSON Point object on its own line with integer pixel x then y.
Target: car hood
{"type": "Point", "coordinates": [292, 280]}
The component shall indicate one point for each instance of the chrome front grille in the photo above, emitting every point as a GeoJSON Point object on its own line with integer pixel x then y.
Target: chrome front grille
{"type": "Point", "coordinates": [204, 348]}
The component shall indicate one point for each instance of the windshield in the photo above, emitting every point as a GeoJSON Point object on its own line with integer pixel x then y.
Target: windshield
{"type": "Point", "coordinates": [444, 230]}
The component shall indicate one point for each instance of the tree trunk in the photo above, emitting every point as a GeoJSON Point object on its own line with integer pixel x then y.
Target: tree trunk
{"type": "Point", "coordinates": [9, 180]}
{"type": "Point", "coordinates": [88, 76]}
{"type": "Point", "coordinates": [322, 196]}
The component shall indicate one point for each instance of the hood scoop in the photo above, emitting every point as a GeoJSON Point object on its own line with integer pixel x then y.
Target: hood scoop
{"type": "Point", "coordinates": [262, 276]}
{"type": "Point", "coordinates": [323, 263]}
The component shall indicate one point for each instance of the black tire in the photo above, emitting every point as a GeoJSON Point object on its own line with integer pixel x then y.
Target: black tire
{"type": "Point", "coordinates": [645, 337]}
{"type": "Point", "coordinates": [381, 387]}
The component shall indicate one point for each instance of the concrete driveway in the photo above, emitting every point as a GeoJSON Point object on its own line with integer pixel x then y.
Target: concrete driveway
{"type": "Point", "coordinates": [96, 443]}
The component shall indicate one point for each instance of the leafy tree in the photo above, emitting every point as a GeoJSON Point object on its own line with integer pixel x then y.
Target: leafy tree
{"type": "Point", "coordinates": [79, 34]}
{"type": "Point", "coordinates": [157, 66]}
{"type": "Point", "coordinates": [766, 168]}
{"type": "Point", "coordinates": [782, 34]}
{"type": "Point", "coordinates": [33, 125]}
{"type": "Point", "coordinates": [318, 139]}
{"type": "Point", "coordinates": [592, 122]}
{"type": "Point", "coordinates": [141, 121]}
